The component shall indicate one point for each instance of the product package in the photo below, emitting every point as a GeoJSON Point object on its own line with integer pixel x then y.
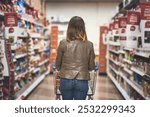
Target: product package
{"type": "Point", "coordinates": [133, 32]}
{"type": "Point", "coordinates": [110, 33]}
{"type": "Point", "coordinates": [122, 31]}
{"type": "Point", "coordinates": [115, 31]}
{"type": "Point", "coordinates": [145, 24]}
{"type": "Point", "coordinates": [105, 36]}
{"type": "Point", "coordinates": [146, 86]}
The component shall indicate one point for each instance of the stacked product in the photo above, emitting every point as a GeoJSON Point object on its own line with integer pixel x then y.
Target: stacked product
{"type": "Point", "coordinates": [26, 50]}
{"type": "Point", "coordinates": [128, 62]}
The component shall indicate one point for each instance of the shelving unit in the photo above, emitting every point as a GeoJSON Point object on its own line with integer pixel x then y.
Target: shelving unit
{"type": "Point", "coordinates": [126, 66]}
{"type": "Point", "coordinates": [1, 56]}
{"type": "Point", "coordinates": [26, 54]}
{"type": "Point", "coordinates": [122, 91]}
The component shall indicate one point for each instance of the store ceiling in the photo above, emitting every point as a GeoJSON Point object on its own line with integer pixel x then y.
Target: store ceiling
{"type": "Point", "coordinates": [83, 0]}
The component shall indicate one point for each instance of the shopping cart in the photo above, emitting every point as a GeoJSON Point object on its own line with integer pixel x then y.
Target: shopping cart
{"type": "Point", "coordinates": [91, 84]}
{"type": "Point", "coordinates": [56, 85]}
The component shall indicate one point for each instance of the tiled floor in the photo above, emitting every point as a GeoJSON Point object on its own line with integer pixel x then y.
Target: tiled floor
{"type": "Point", "coordinates": [105, 90]}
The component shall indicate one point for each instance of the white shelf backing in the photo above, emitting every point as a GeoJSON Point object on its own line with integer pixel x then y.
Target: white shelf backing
{"type": "Point", "coordinates": [122, 91]}
{"type": "Point", "coordinates": [31, 87]}
{"type": "Point", "coordinates": [137, 71]}
{"type": "Point", "coordinates": [135, 86]}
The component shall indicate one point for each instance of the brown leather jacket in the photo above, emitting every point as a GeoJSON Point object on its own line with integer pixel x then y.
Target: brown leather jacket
{"type": "Point", "coordinates": [75, 59]}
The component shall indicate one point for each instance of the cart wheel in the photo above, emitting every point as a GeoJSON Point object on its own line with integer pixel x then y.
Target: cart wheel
{"type": "Point", "coordinates": [58, 97]}
{"type": "Point", "coordinates": [90, 97]}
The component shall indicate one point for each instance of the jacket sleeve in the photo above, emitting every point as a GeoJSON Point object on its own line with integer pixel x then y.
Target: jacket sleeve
{"type": "Point", "coordinates": [92, 59]}
{"type": "Point", "coordinates": [59, 56]}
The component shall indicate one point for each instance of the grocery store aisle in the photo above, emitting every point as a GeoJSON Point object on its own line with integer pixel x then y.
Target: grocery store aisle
{"type": "Point", "coordinates": [105, 90]}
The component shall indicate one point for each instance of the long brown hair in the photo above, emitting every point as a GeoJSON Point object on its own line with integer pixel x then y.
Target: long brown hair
{"type": "Point", "coordinates": [76, 29]}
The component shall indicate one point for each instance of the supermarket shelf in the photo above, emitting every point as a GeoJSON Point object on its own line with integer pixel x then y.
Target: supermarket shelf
{"type": "Point", "coordinates": [1, 78]}
{"type": "Point", "coordinates": [114, 51]}
{"type": "Point", "coordinates": [143, 49]}
{"type": "Point", "coordinates": [128, 49]}
{"type": "Point", "coordinates": [31, 20]}
{"type": "Point", "coordinates": [48, 72]}
{"type": "Point", "coordinates": [31, 53]}
{"type": "Point", "coordinates": [31, 69]}
{"type": "Point", "coordinates": [114, 69]}
{"type": "Point", "coordinates": [137, 71]}
{"type": "Point", "coordinates": [135, 86]}
{"type": "Point", "coordinates": [36, 47]}
{"type": "Point", "coordinates": [20, 56]}
{"type": "Point", "coordinates": [121, 52]}
{"type": "Point", "coordinates": [128, 71]}
{"type": "Point", "coordinates": [122, 65]}
{"type": "Point", "coordinates": [147, 75]}
{"type": "Point", "coordinates": [36, 35]}
{"type": "Point", "coordinates": [115, 62]}
{"type": "Point", "coordinates": [13, 47]}
{"type": "Point", "coordinates": [142, 54]}
{"type": "Point", "coordinates": [127, 61]}
{"type": "Point", "coordinates": [31, 87]}
{"type": "Point", "coordinates": [21, 75]}
{"type": "Point", "coordinates": [1, 56]}
{"type": "Point", "coordinates": [43, 62]}
{"type": "Point", "coordinates": [114, 43]}
{"type": "Point", "coordinates": [36, 70]}
{"type": "Point", "coordinates": [122, 91]}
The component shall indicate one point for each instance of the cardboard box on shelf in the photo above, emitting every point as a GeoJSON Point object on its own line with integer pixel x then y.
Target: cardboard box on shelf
{"type": "Point", "coordinates": [133, 32]}
{"type": "Point", "coordinates": [145, 24]}
{"type": "Point", "coordinates": [122, 31]}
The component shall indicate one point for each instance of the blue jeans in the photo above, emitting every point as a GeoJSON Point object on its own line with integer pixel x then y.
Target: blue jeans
{"type": "Point", "coordinates": [73, 89]}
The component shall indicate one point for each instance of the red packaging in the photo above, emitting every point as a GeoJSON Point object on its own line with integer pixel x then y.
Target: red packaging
{"type": "Point", "coordinates": [133, 18]}
{"type": "Point", "coordinates": [145, 11]}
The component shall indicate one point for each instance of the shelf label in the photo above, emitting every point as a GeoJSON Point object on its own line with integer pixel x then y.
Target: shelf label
{"type": "Point", "coordinates": [145, 11]}
{"type": "Point", "coordinates": [10, 20]}
{"type": "Point", "coordinates": [133, 18]}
